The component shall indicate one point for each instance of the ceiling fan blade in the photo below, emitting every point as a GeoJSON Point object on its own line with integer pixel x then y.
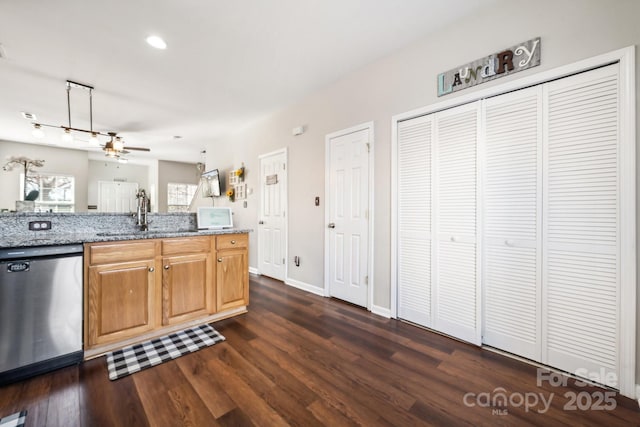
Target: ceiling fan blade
{"type": "Point", "coordinates": [137, 148]}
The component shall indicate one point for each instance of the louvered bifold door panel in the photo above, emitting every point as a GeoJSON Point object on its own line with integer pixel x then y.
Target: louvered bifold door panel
{"type": "Point", "coordinates": [512, 227]}
{"type": "Point", "coordinates": [581, 267]}
{"type": "Point", "coordinates": [455, 267]}
{"type": "Point", "coordinates": [414, 219]}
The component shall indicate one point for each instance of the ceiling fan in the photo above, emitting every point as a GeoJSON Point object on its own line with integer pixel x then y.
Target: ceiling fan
{"type": "Point", "coordinates": [115, 147]}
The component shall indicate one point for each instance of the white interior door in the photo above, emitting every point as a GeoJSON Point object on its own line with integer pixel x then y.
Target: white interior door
{"type": "Point", "coordinates": [581, 283]}
{"type": "Point", "coordinates": [117, 196]}
{"type": "Point", "coordinates": [272, 225]}
{"type": "Point", "coordinates": [348, 221]}
{"type": "Point", "coordinates": [512, 222]}
{"type": "Point", "coordinates": [415, 138]}
{"type": "Point", "coordinates": [454, 250]}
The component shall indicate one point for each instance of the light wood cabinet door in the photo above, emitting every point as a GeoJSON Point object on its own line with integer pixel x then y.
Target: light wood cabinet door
{"type": "Point", "coordinates": [232, 279]}
{"type": "Point", "coordinates": [187, 287]}
{"type": "Point", "coordinates": [121, 301]}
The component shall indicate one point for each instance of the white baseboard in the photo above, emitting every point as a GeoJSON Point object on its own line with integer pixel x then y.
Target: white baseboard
{"type": "Point", "coordinates": [254, 270]}
{"type": "Point", "coordinates": [638, 393]}
{"type": "Point", "coordinates": [304, 286]}
{"type": "Point", "coordinates": [381, 311]}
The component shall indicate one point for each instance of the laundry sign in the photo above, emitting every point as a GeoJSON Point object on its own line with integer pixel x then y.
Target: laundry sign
{"type": "Point", "coordinates": [516, 58]}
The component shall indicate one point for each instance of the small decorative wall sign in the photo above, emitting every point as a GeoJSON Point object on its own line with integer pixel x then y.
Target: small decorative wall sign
{"type": "Point", "coordinates": [272, 179]}
{"type": "Point", "coordinates": [517, 58]}
{"type": "Point", "coordinates": [241, 191]}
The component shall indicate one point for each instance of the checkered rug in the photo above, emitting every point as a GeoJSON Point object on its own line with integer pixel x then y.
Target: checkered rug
{"type": "Point", "coordinates": [151, 353]}
{"type": "Point", "coordinates": [14, 420]}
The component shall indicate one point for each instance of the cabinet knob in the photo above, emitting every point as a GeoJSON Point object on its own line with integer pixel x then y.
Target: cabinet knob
{"type": "Point", "coordinates": [151, 269]}
{"type": "Point", "coordinates": [219, 259]}
{"type": "Point", "coordinates": [233, 242]}
{"type": "Point", "coordinates": [166, 267]}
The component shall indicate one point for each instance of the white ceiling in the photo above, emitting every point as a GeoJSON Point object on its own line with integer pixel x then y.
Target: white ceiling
{"type": "Point", "coordinates": [228, 63]}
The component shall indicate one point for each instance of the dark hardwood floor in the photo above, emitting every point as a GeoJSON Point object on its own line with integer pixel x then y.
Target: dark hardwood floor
{"type": "Point", "coordinates": [299, 359]}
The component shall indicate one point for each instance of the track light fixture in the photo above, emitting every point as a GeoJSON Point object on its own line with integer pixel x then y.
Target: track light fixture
{"type": "Point", "coordinates": [114, 148]}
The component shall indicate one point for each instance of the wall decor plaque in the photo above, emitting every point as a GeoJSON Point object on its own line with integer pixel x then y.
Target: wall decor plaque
{"type": "Point", "coordinates": [517, 58]}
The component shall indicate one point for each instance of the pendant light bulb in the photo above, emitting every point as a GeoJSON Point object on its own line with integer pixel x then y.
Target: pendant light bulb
{"type": "Point", "coordinates": [67, 136]}
{"type": "Point", "coordinates": [37, 131]}
{"type": "Point", "coordinates": [93, 139]}
{"type": "Point", "coordinates": [118, 145]}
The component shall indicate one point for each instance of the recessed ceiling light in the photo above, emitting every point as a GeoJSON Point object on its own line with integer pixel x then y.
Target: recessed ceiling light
{"type": "Point", "coordinates": [156, 42]}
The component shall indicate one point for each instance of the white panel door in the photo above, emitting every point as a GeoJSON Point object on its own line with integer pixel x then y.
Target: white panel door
{"type": "Point", "coordinates": [348, 216]}
{"type": "Point", "coordinates": [117, 196]}
{"type": "Point", "coordinates": [272, 223]}
{"type": "Point", "coordinates": [581, 285]}
{"type": "Point", "coordinates": [415, 138]}
{"type": "Point", "coordinates": [512, 207]}
{"type": "Point", "coordinates": [457, 298]}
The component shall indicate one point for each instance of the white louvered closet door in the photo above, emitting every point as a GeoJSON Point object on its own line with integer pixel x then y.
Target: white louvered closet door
{"type": "Point", "coordinates": [581, 285]}
{"type": "Point", "coordinates": [457, 299]}
{"type": "Point", "coordinates": [512, 205]}
{"type": "Point", "coordinates": [414, 219]}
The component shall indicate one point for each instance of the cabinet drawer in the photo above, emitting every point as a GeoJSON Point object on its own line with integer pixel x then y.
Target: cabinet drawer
{"type": "Point", "coordinates": [119, 252]}
{"type": "Point", "coordinates": [187, 245]}
{"type": "Point", "coordinates": [232, 241]}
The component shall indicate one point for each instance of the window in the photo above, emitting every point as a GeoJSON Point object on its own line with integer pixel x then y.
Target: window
{"type": "Point", "coordinates": [179, 196]}
{"type": "Point", "coordinates": [56, 192]}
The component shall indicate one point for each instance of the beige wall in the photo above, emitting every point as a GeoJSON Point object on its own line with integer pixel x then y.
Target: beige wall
{"type": "Point", "coordinates": [57, 160]}
{"type": "Point", "coordinates": [177, 172]}
{"type": "Point", "coordinates": [571, 30]}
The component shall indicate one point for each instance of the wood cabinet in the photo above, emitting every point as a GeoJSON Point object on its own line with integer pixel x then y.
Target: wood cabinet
{"type": "Point", "coordinates": [188, 290]}
{"type": "Point", "coordinates": [142, 288]}
{"type": "Point", "coordinates": [232, 271]}
{"type": "Point", "coordinates": [121, 292]}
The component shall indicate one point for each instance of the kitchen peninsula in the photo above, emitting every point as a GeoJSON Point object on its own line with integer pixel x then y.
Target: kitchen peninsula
{"type": "Point", "coordinates": [142, 284]}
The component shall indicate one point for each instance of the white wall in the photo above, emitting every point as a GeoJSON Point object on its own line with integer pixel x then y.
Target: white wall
{"type": "Point", "coordinates": [570, 30]}
{"type": "Point", "coordinates": [103, 170]}
{"type": "Point", "coordinates": [57, 160]}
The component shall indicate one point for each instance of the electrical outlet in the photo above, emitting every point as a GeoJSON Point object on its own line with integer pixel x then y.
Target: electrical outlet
{"type": "Point", "coordinates": [39, 225]}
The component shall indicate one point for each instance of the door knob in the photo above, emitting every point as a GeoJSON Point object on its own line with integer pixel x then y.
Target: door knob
{"type": "Point", "coordinates": [332, 225]}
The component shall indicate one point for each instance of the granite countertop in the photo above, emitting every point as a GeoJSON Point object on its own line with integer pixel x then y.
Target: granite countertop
{"type": "Point", "coordinates": [39, 238]}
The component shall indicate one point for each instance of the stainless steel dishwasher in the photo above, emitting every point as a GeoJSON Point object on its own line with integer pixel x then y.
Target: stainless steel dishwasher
{"type": "Point", "coordinates": [40, 310]}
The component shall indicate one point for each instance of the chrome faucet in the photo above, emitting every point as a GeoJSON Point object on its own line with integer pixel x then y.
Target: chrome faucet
{"type": "Point", "coordinates": [143, 207]}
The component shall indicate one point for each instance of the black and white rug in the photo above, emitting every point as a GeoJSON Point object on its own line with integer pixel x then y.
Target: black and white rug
{"type": "Point", "coordinates": [14, 420]}
{"type": "Point", "coordinates": [151, 353]}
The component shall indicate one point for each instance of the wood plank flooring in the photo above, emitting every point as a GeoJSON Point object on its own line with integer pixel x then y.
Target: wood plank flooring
{"type": "Point", "coordinates": [301, 360]}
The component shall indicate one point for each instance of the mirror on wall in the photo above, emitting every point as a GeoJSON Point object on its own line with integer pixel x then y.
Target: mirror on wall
{"type": "Point", "coordinates": [76, 181]}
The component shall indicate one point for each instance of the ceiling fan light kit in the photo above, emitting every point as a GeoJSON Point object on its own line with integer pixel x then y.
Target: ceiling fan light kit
{"type": "Point", "coordinates": [114, 148]}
